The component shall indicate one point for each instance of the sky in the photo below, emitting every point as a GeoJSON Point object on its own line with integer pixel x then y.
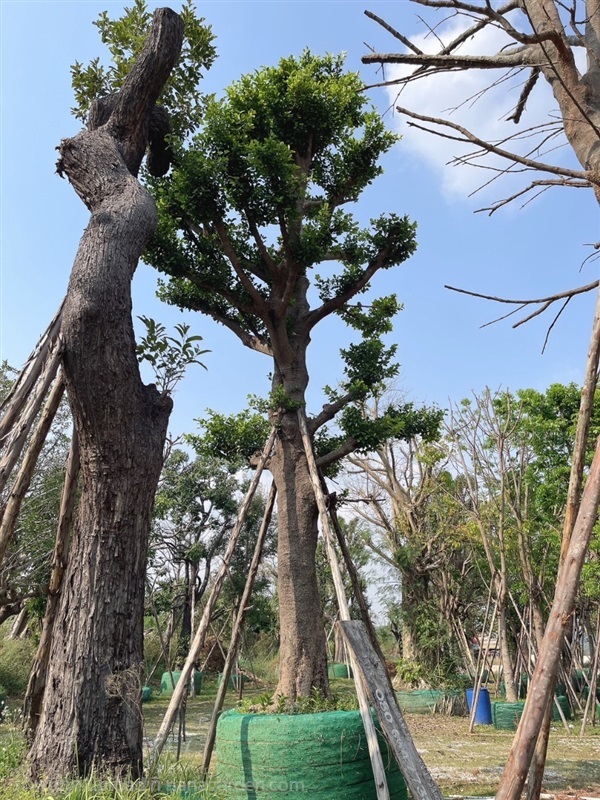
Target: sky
{"type": "Point", "coordinates": [444, 352]}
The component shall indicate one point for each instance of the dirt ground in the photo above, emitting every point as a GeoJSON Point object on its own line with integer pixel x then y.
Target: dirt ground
{"type": "Point", "coordinates": [471, 764]}
{"type": "Point", "coordinates": [462, 764]}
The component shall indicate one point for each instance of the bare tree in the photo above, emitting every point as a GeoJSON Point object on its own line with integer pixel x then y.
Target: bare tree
{"type": "Point", "coordinates": [541, 42]}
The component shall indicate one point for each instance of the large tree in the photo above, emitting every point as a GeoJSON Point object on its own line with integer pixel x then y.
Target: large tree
{"type": "Point", "coordinates": [90, 714]}
{"type": "Point", "coordinates": [255, 203]}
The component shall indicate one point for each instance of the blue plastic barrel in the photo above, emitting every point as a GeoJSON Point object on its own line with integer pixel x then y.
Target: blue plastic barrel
{"type": "Point", "coordinates": [483, 712]}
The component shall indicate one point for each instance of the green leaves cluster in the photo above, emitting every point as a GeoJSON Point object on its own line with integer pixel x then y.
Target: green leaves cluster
{"type": "Point", "coordinates": [234, 438]}
{"type": "Point", "coordinates": [255, 201]}
{"type": "Point", "coordinates": [125, 38]}
{"type": "Point", "coordinates": [169, 356]}
{"type": "Point", "coordinates": [400, 422]}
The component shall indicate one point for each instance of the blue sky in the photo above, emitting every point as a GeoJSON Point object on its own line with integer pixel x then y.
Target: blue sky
{"type": "Point", "coordinates": [443, 351]}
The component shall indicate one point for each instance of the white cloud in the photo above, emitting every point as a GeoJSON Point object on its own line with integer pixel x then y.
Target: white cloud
{"type": "Point", "coordinates": [461, 97]}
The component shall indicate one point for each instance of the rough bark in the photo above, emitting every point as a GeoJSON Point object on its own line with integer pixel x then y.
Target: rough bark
{"type": "Point", "coordinates": [90, 716]}
{"type": "Point", "coordinates": [302, 647]}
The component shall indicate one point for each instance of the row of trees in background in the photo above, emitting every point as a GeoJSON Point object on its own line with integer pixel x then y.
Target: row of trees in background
{"type": "Point", "coordinates": [477, 511]}
{"type": "Point", "coordinates": [472, 512]}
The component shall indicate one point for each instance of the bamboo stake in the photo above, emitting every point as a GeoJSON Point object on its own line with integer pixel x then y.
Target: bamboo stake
{"type": "Point", "coordinates": [37, 678]}
{"type": "Point", "coordinates": [237, 630]}
{"type": "Point", "coordinates": [22, 482]}
{"type": "Point", "coordinates": [198, 642]}
{"type": "Point", "coordinates": [15, 441]}
{"type": "Point", "coordinates": [371, 734]}
{"type": "Point", "coordinates": [22, 387]}
{"type": "Point", "coordinates": [355, 580]}
{"type": "Point", "coordinates": [590, 705]}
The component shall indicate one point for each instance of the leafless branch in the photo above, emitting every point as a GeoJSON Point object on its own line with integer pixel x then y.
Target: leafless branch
{"type": "Point", "coordinates": [533, 185]}
{"type": "Point", "coordinates": [543, 302]}
{"type": "Point", "coordinates": [507, 60]}
{"type": "Point", "coordinates": [527, 89]}
{"type": "Point", "coordinates": [396, 34]}
{"type": "Point", "coordinates": [553, 323]}
{"type": "Point", "coordinates": [467, 136]}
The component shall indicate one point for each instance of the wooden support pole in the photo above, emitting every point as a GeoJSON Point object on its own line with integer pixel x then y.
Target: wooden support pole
{"type": "Point", "coordinates": [546, 668]}
{"type": "Point", "coordinates": [14, 442]}
{"type": "Point", "coordinates": [14, 401]}
{"type": "Point", "coordinates": [200, 636]}
{"type": "Point", "coordinates": [237, 630]}
{"type": "Point", "coordinates": [19, 488]}
{"type": "Point", "coordinates": [355, 580]}
{"type": "Point", "coordinates": [37, 678]}
{"type": "Point", "coordinates": [370, 732]}
{"type": "Point", "coordinates": [416, 774]}
{"type": "Point", "coordinates": [479, 676]}
{"type": "Point", "coordinates": [590, 705]}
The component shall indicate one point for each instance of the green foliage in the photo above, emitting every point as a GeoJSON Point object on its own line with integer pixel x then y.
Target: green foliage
{"type": "Point", "coordinates": [256, 201]}
{"type": "Point", "coordinates": [235, 437]}
{"type": "Point", "coordinates": [411, 673]}
{"type": "Point", "coordinates": [401, 422]}
{"type": "Point", "coordinates": [169, 355]}
{"type": "Point", "coordinates": [125, 38]}
{"type": "Point", "coordinates": [16, 660]}
{"type": "Point", "coordinates": [314, 703]}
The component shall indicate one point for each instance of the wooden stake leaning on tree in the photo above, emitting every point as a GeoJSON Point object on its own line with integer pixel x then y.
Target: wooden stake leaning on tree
{"type": "Point", "coordinates": [10, 515]}
{"type": "Point", "coordinates": [200, 636]}
{"type": "Point", "coordinates": [482, 664]}
{"type": "Point", "coordinates": [354, 579]}
{"type": "Point", "coordinates": [531, 739]}
{"type": "Point", "coordinates": [19, 394]}
{"type": "Point", "coordinates": [371, 734]}
{"type": "Point", "coordinates": [37, 677]}
{"type": "Point", "coordinates": [416, 774]}
{"type": "Point", "coordinates": [237, 630]}
{"type": "Point", "coordinates": [366, 664]}
{"type": "Point", "coordinates": [15, 440]}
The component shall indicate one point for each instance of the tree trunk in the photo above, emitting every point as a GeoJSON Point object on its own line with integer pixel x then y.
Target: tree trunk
{"type": "Point", "coordinates": [510, 684]}
{"type": "Point", "coordinates": [303, 654]}
{"type": "Point", "coordinates": [91, 709]}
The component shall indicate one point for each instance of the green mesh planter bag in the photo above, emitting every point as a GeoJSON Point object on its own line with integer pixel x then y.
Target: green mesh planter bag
{"type": "Point", "coordinates": [318, 756]}
{"type": "Point", "coordinates": [506, 716]}
{"type": "Point", "coordinates": [167, 685]}
{"type": "Point", "coordinates": [566, 708]}
{"type": "Point", "coordinates": [421, 701]}
{"type": "Point", "coordinates": [146, 694]}
{"type": "Point", "coordinates": [339, 670]}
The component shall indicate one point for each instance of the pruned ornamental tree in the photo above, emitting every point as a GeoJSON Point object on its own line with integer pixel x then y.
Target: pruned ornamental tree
{"type": "Point", "coordinates": [90, 715]}
{"type": "Point", "coordinates": [534, 41]}
{"type": "Point", "coordinates": [255, 204]}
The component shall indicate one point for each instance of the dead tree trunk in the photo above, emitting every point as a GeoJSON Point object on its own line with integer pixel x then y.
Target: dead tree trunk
{"type": "Point", "coordinates": [90, 715]}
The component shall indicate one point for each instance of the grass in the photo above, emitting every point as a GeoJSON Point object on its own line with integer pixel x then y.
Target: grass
{"type": "Point", "coordinates": [461, 763]}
